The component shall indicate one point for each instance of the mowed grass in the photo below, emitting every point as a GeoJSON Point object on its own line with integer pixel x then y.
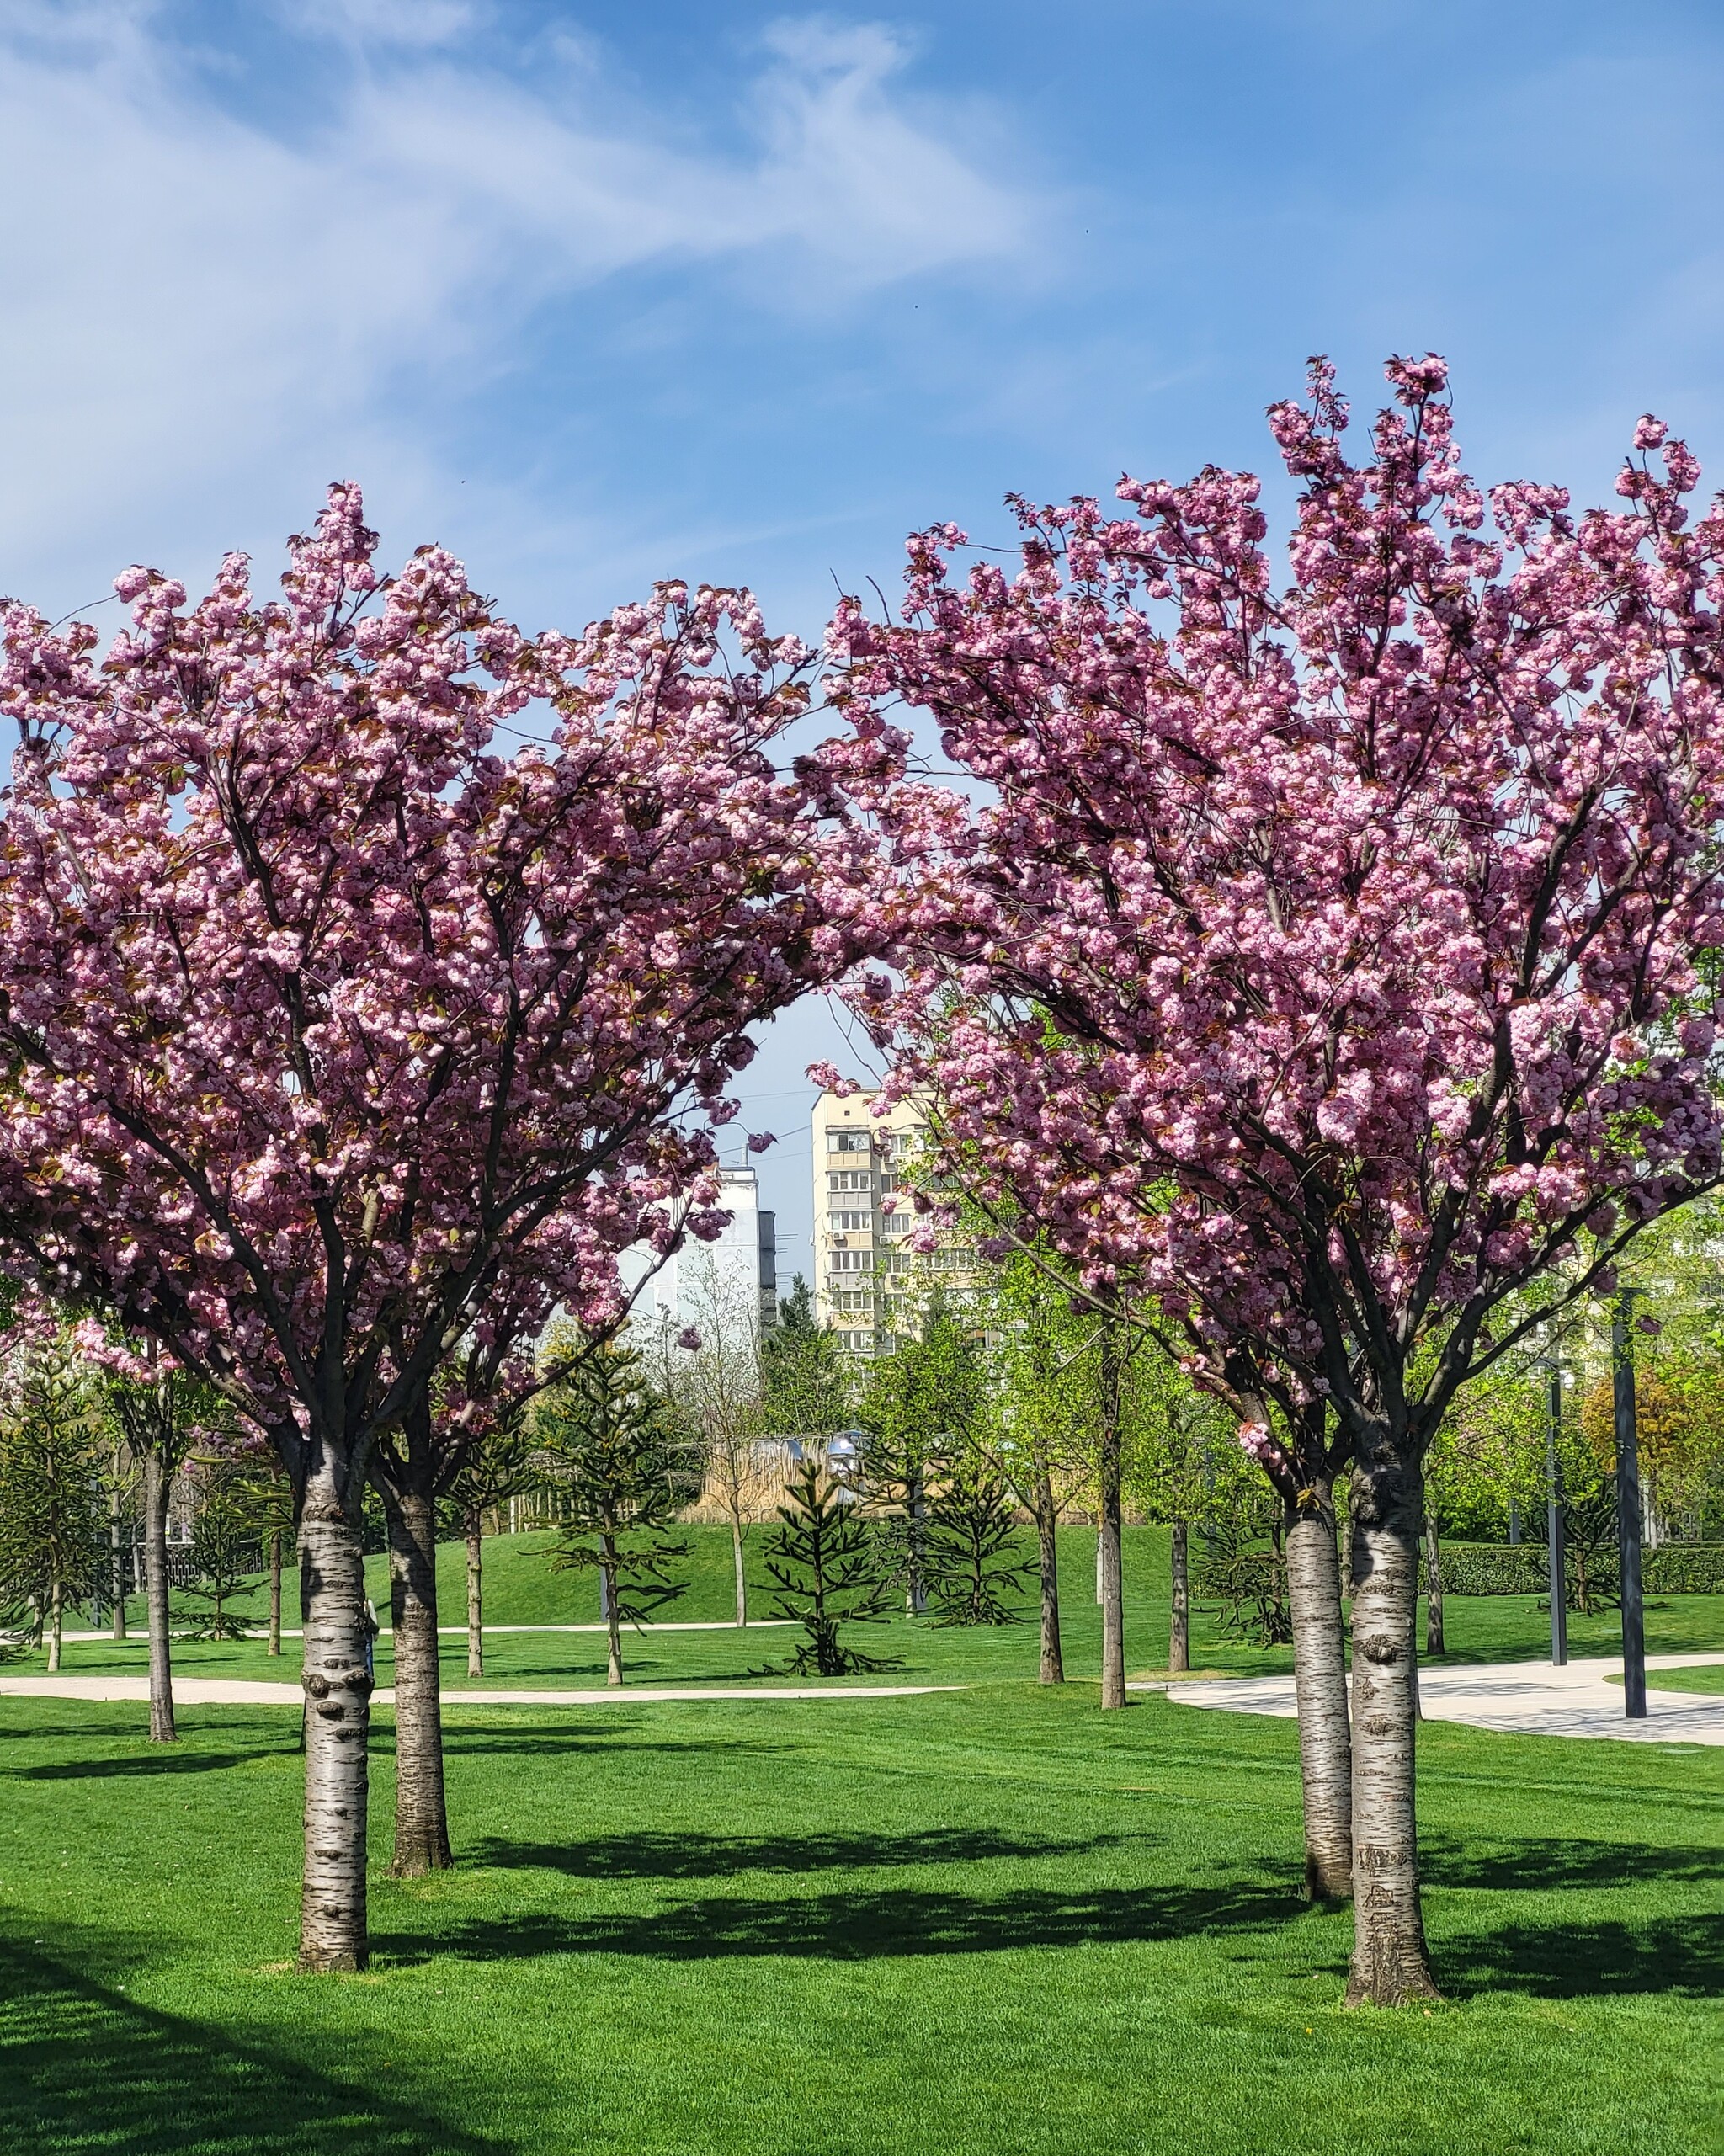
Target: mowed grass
{"type": "Point", "coordinates": [993, 1921]}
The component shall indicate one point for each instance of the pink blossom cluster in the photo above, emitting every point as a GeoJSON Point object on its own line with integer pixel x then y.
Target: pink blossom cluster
{"type": "Point", "coordinates": [1323, 960]}
{"type": "Point", "coordinates": [339, 1036]}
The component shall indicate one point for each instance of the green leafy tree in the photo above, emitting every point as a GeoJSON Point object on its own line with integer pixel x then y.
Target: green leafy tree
{"type": "Point", "coordinates": [805, 1384]}
{"type": "Point", "coordinates": [261, 1488]}
{"type": "Point", "coordinates": [616, 1449]}
{"type": "Point", "coordinates": [53, 1531]}
{"type": "Point", "coordinates": [920, 1406]}
{"type": "Point", "coordinates": [823, 1557]}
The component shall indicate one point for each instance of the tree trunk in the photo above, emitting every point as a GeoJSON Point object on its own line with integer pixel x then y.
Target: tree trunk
{"type": "Point", "coordinates": [1432, 1590]}
{"type": "Point", "coordinates": [116, 1550]}
{"type": "Point", "coordinates": [1389, 1956]}
{"type": "Point", "coordinates": [916, 1586]}
{"type": "Point", "coordinates": [475, 1597]}
{"type": "Point", "coordinates": [420, 1814]}
{"type": "Point", "coordinates": [1113, 1602]}
{"type": "Point", "coordinates": [1179, 1633]}
{"type": "Point", "coordinates": [56, 1599]}
{"type": "Point", "coordinates": [1320, 1685]}
{"type": "Point", "coordinates": [156, 1479]}
{"type": "Point", "coordinates": [1053, 1663]}
{"type": "Point", "coordinates": [337, 1688]}
{"type": "Point", "coordinates": [613, 1622]}
{"type": "Point", "coordinates": [275, 1591]}
{"type": "Point", "coordinates": [742, 1576]}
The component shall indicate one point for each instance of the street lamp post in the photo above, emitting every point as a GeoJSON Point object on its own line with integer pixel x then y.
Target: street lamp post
{"type": "Point", "coordinates": [1556, 1546]}
{"type": "Point", "coordinates": [1634, 1633]}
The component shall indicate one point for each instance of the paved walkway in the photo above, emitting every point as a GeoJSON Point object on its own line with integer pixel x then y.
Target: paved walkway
{"type": "Point", "coordinates": [234, 1691]}
{"type": "Point", "coordinates": [1531, 1697]}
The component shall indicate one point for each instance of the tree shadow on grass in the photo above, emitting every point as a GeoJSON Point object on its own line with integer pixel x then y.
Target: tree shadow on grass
{"type": "Point", "coordinates": [1680, 1954]}
{"type": "Point", "coordinates": [1548, 1864]}
{"type": "Point", "coordinates": [82, 2067]}
{"type": "Point", "coordinates": [713, 1857]}
{"type": "Point", "coordinates": [161, 1759]}
{"type": "Point", "coordinates": [865, 1925]}
{"type": "Point", "coordinates": [591, 1738]}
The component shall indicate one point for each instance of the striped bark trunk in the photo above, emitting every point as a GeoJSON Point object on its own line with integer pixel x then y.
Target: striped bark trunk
{"type": "Point", "coordinates": [1390, 1964]}
{"type": "Point", "coordinates": [337, 1688]}
{"type": "Point", "coordinates": [162, 1729]}
{"type": "Point", "coordinates": [475, 1598]}
{"type": "Point", "coordinates": [421, 1811]}
{"type": "Point", "coordinates": [275, 1592]}
{"type": "Point", "coordinates": [1320, 1685]}
{"type": "Point", "coordinates": [1180, 1631]}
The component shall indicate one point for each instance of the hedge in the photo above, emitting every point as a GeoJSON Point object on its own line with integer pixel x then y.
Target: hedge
{"type": "Point", "coordinates": [1522, 1568]}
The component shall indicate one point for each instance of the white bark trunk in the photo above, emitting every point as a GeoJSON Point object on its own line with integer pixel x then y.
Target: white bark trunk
{"type": "Point", "coordinates": [476, 1602]}
{"type": "Point", "coordinates": [162, 1729]}
{"type": "Point", "coordinates": [741, 1575]}
{"type": "Point", "coordinates": [337, 1727]}
{"type": "Point", "coordinates": [1320, 1685]}
{"type": "Point", "coordinates": [1389, 1965]}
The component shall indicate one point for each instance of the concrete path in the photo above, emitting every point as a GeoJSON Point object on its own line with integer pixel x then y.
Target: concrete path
{"type": "Point", "coordinates": [1529, 1696]}
{"type": "Point", "coordinates": [234, 1691]}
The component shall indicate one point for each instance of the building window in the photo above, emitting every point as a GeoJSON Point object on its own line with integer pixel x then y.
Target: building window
{"type": "Point", "coordinates": [849, 1261]}
{"type": "Point", "coordinates": [852, 1298]}
{"type": "Point", "coordinates": [850, 1178]}
{"type": "Point", "coordinates": [847, 1141]}
{"type": "Point", "coordinates": [848, 1223]}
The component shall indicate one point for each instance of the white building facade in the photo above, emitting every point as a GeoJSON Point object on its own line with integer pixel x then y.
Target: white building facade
{"type": "Point", "coordinates": [733, 1281]}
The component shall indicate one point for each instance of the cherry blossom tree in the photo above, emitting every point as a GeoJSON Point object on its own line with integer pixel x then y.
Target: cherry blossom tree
{"type": "Point", "coordinates": [1332, 961]}
{"type": "Point", "coordinates": [332, 1028]}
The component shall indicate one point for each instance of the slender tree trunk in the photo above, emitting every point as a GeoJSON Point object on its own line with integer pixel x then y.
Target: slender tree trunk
{"type": "Point", "coordinates": [1113, 1586]}
{"type": "Point", "coordinates": [1180, 1631]}
{"type": "Point", "coordinates": [1053, 1662]}
{"type": "Point", "coordinates": [275, 1591]}
{"type": "Point", "coordinates": [55, 1598]}
{"type": "Point", "coordinates": [337, 1690]}
{"type": "Point", "coordinates": [1390, 1964]}
{"type": "Point", "coordinates": [1320, 1685]}
{"type": "Point", "coordinates": [116, 1550]}
{"type": "Point", "coordinates": [1432, 1589]}
{"type": "Point", "coordinates": [420, 1812]}
{"type": "Point", "coordinates": [476, 1597]}
{"type": "Point", "coordinates": [915, 1585]}
{"type": "Point", "coordinates": [156, 1480]}
{"type": "Point", "coordinates": [742, 1576]}
{"type": "Point", "coordinates": [613, 1622]}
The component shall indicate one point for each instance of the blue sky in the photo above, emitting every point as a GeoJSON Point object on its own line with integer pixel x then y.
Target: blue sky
{"type": "Point", "coordinates": [595, 293]}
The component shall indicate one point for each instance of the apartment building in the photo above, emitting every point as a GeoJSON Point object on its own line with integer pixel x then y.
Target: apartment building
{"type": "Point", "coordinates": [869, 1286]}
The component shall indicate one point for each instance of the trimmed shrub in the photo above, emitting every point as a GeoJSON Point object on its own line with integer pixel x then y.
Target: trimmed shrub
{"type": "Point", "coordinates": [1521, 1568]}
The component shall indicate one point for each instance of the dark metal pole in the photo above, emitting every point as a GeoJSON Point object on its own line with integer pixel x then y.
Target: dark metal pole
{"type": "Point", "coordinates": [1557, 1550]}
{"type": "Point", "coordinates": [1634, 1631]}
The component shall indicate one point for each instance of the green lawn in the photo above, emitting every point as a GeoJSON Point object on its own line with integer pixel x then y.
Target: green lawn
{"type": "Point", "coordinates": [987, 1921]}
{"type": "Point", "coordinates": [1703, 1677]}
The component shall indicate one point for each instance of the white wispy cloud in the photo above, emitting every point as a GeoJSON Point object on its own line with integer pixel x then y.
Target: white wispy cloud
{"type": "Point", "coordinates": [196, 303]}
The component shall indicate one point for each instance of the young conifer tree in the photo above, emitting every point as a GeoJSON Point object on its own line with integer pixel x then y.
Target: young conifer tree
{"type": "Point", "coordinates": [614, 1447]}
{"type": "Point", "coordinates": [824, 1558]}
{"type": "Point", "coordinates": [53, 1540]}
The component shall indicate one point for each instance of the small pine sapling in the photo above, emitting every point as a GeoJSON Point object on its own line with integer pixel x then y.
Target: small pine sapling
{"type": "Point", "coordinates": [223, 1555]}
{"type": "Point", "coordinates": [976, 1565]}
{"type": "Point", "coordinates": [824, 1557]}
{"type": "Point", "coordinates": [613, 1446]}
